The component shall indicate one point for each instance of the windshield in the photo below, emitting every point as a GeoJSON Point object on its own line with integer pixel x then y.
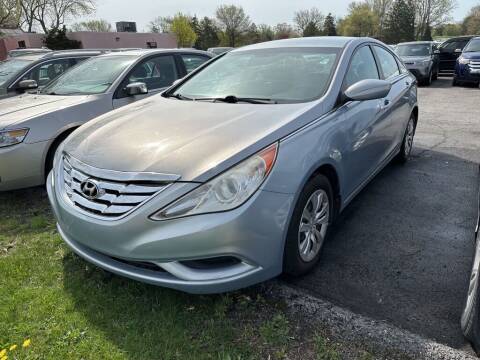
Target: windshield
{"type": "Point", "coordinates": [10, 68]}
{"type": "Point", "coordinates": [414, 50]}
{"type": "Point", "coordinates": [473, 46]}
{"type": "Point", "coordinates": [280, 74]}
{"type": "Point", "coordinates": [93, 76]}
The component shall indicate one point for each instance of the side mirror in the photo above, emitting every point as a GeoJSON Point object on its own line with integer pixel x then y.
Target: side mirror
{"type": "Point", "coordinates": [27, 85]}
{"type": "Point", "coordinates": [368, 90]}
{"type": "Point", "coordinates": [458, 50]}
{"type": "Point", "coordinates": [136, 88]}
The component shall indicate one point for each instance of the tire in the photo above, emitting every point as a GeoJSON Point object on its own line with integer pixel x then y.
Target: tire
{"type": "Point", "coordinates": [428, 80]}
{"type": "Point", "coordinates": [407, 142]}
{"type": "Point", "coordinates": [296, 262]}
{"type": "Point", "coordinates": [51, 152]}
{"type": "Point", "coordinates": [435, 75]}
{"type": "Point", "coordinates": [470, 316]}
{"type": "Point", "coordinates": [454, 82]}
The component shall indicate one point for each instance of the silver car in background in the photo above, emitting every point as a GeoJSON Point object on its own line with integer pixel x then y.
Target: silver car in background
{"type": "Point", "coordinates": [421, 60]}
{"type": "Point", "coordinates": [33, 125]}
{"type": "Point", "coordinates": [231, 177]}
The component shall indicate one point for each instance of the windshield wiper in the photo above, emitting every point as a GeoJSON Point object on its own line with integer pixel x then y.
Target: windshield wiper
{"type": "Point", "coordinates": [178, 96]}
{"type": "Point", "coordinates": [232, 99]}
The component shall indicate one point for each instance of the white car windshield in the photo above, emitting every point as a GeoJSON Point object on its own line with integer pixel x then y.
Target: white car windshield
{"type": "Point", "coordinates": [279, 75]}
{"type": "Point", "coordinates": [10, 68]}
{"type": "Point", "coordinates": [93, 76]}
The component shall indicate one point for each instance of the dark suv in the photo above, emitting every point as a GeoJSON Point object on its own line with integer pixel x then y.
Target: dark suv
{"type": "Point", "coordinates": [31, 71]}
{"type": "Point", "coordinates": [449, 51]}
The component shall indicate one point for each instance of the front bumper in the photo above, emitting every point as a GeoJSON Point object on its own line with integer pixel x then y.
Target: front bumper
{"type": "Point", "coordinates": [22, 165]}
{"type": "Point", "coordinates": [466, 73]}
{"type": "Point", "coordinates": [253, 234]}
{"type": "Point", "coordinates": [419, 71]}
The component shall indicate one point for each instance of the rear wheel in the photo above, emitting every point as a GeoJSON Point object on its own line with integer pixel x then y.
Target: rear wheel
{"type": "Point", "coordinates": [309, 226]}
{"type": "Point", "coordinates": [407, 143]}
{"type": "Point", "coordinates": [428, 80]}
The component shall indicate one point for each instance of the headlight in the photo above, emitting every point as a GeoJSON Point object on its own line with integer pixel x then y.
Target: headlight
{"type": "Point", "coordinates": [425, 62]}
{"type": "Point", "coordinates": [226, 191]}
{"type": "Point", "coordinates": [463, 61]}
{"type": "Point", "coordinates": [12, 137]}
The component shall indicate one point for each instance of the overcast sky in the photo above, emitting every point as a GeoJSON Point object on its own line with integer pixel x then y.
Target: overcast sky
{"type": "Point", "coordinates": [260, 11]}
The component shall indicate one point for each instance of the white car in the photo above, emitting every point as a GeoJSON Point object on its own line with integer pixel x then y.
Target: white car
{"type": "Point", "coordinates": [33, 125]}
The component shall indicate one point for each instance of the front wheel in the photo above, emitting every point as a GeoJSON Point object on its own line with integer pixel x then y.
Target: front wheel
{"type": "Point", "coordinates": [407, 142]}
{"type": "Point", "coordinates": [308, 227]}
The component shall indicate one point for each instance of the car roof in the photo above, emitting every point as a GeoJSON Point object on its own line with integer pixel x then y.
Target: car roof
{"type": "Point", "coordinates": [415, 42]}
{"type": "Point", "coordinates": [60, 53]}
{"type": "Point", "coordinates": [146, 52]}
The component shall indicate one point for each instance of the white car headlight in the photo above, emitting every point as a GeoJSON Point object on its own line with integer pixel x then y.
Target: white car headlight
{"type": "Point", "coordinates": [12, 137]}
{"type": "Point", "coordinates": [463, 61]}
{"type": "Point", "coordinates": [225, 192]}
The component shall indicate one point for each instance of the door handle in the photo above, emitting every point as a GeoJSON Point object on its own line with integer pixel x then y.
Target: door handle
{"type": "Point", "coordinates": [407, 83]}
{"type": "Point", "coordinates": [386, 103]}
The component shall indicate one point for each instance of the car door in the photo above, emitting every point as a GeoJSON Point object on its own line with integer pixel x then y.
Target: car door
{"type": "Point", "coordinates": [157, 72]}
{"type": "Point", "coordinates": [395, 107]}
{"type": "Point", "coordinates": [366, 123]}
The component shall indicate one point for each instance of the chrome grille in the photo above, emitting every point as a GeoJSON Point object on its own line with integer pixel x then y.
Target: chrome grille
{"type": "Point", "coordinates": [118, 194]}
{"type": "Point", "coordinates": [475, 64]}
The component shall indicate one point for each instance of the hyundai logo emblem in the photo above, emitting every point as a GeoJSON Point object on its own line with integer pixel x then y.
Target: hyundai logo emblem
{"type": "Point", "coordinates": [90, 189]}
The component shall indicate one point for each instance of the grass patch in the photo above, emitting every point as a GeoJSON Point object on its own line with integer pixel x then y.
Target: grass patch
{"type": "Point", "coordinates": [70, 309]}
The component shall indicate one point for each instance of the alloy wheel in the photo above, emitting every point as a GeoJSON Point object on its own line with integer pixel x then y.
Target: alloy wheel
{"type": "Point", "coordinates": [409, 138]}
{"type": "Point", "coordinates": [313, 225]}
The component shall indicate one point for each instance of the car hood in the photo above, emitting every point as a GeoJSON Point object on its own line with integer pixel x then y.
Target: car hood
{"type": "Point", "coordinates": [18, 108]}
{"type": "Point", "coordinates": [194, 140]}
{"type": "Point", "coordinates": [471, 55]}
{"type": "Point", "coordinates": [415, 58]}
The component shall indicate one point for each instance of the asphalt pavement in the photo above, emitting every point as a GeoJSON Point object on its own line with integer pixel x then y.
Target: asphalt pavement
{"type": "Point", "coordinates": [402, 250]}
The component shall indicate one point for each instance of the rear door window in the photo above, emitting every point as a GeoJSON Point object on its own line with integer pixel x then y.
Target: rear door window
{"type": "Point", "coordinates": [387, 62]}
{"type": "Point", "coordinates": [192, 61]}
{"type": "Point", "coordinates": [362, 67]}
{"type": "Point", "coordinates": [48, 71]}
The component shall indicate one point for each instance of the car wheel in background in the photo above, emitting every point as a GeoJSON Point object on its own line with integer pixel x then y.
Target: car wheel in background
{"type": "Point", "coordinates": [309, 226]}
{"type": "Point", "coordinates": [407, 142]}
{"type": "Point", "coordinates": [52, 150]}
{"type": "Point", "coordinates": [435, 75]}
{"type": "Point", "coordinates": [428, 80]}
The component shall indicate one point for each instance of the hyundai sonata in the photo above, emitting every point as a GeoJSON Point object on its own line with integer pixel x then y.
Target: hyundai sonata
{"type": "Point", "coordinates": [237, 172]}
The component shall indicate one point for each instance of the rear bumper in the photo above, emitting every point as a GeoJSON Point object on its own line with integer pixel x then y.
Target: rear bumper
{"type": "Point", "coordinates": [22, 165]}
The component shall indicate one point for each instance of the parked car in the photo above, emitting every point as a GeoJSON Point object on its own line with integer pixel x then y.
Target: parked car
{"type": "Point", "coordinates": [449, 51]}
{"type": "Point", "coordinates": [33, 125]}
{"type": "Point", "coordinates": [467, 68]}
{"type": "Point", "coordinates": [219, 50]}
{"type": "Point", "coordinates": [419, 57]}
{"type": "Point", "coordinates": [231, 177]}
{"type": "Point", "coordinates": [33, 71]}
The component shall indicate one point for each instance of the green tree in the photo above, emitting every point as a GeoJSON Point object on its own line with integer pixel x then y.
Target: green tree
{"type": "Point", "coordinates": [10, 12]}
{"type": "Point", "coordinates": [329, 27]}
{"type": "Point", "coordinates": [400, 22]}
{"type": "Point", "coordinates": [311, 30]}
{"type": "Point", "coordinates": [183, 31]}
{"type": "Point", "coordinates": [360, 21]}
{"type": "Point", "coordinates": [56, 39]}
{"type": "Point", "coordinates": [265, 33]}
{"type": "Point", "coordinates": [207, 34]}
{"type": "Point", "coordinates": [233, 21]}
{"type": "Point", "coordinates": [471, 23]}
{"type": "Point", "coordinates": [93, 25]}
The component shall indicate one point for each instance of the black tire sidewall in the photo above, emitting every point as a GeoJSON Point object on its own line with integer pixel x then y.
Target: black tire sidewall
{"type": "Point", "coordinates": [401, 157]}
{"type": "Point", "coordinates": [292, 262]}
